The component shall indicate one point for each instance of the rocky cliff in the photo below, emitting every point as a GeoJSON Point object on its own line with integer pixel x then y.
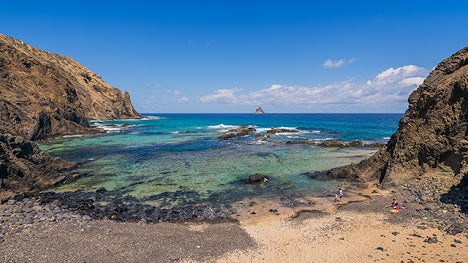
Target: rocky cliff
{"type": "Point", "coordinates": [432, 135]}
{"type": "Point", "coordinates": [23, 167]}
{"type": "Point", "coordinates": [44, 94]}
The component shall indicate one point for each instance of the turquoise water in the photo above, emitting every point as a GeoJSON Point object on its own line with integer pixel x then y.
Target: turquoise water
{"type": "Point", "coordinates": [180, 153]}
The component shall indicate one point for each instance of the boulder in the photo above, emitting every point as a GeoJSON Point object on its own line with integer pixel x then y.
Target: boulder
{"type": "Point", "coordinates": [255, 178]}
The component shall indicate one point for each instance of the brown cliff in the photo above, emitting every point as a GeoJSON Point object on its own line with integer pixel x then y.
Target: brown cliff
{"type": "Point", "coordinates": [432, 135]}
{"type": "Point", "coordinates": [44, 94]}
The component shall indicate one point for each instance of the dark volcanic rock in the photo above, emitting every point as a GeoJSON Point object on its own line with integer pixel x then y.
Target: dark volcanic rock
{"type": "Point", "coordinates": [255, 178]}
{"type": "Point", "coordinates": [281, 130]}
{"type": "Point", "coordinates": [432, 135]}
{"type": "Point", "coordinates": [44, 94]}
{"type": "Point", "coordinates": [259, 110]}
{"type": "Point", "coordinates": [23, 167]}
{"type": "Point", "coordinates": [237, 132]}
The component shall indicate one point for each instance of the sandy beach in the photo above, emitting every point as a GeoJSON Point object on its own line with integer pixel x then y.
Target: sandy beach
{"type": "Point", "coordinates": [357, 229]}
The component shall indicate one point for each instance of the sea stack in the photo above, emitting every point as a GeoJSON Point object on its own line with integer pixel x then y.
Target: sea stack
{"type": "Point", "coordinates": [259, 110]}
{"type": "Point", "coordinates": [44, 95]}
{"type": "Point", "coordinates": [432, 137]}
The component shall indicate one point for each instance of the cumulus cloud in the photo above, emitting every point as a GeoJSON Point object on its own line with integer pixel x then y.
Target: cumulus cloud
{"type": "Point", "coordinates": [337, 63]}
{"type": "Point", "coordinates": [390, 86]}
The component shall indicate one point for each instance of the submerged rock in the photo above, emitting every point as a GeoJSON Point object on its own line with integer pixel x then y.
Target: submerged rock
{"type": "Point", "coordinates": [281, 130]}
{"type": "Point", "coordinates": [255, 178]}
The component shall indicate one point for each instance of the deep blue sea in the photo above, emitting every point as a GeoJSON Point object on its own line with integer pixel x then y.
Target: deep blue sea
{"type": "Point", "coordinates": [165, 154]}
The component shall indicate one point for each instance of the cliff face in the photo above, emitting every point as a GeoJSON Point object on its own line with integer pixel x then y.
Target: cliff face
{"type": "Point", "coordinates": [44, 94]}
{"type": "Point", "coordinates": [23, 167]}
{"type": "Point", "coordinates": [432, 135]}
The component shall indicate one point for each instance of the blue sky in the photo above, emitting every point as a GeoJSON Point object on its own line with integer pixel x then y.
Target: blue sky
{"type": "Point", "coordinates": [233, 56]}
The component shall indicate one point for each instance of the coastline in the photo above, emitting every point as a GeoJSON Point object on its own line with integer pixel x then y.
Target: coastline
{"type": "Point", "coordinates": [319, 230]}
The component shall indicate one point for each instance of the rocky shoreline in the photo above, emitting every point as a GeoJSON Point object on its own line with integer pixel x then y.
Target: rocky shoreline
{"type": "Point", "coordinates": [23, 211]}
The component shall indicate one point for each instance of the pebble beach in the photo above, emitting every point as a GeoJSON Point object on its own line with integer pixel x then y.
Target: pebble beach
{"type": "Point", "coordinates": [359, 228]}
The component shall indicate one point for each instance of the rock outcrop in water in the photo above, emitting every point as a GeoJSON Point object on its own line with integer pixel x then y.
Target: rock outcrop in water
{"type": "Point", "coordinates": [433, 134]}
{"type": "Point", "coordinates": [44, 94]}
{"type": "Point", "coordinates": [259, 110]}
{"type": "Point", "coordinates": [23, 167]}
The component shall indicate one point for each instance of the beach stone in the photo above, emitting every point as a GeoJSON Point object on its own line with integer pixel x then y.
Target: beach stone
{"type": "Point", "coordinates": [29, 220]}
{"type": "Point", "coordinates": [380, 248]}
{"type": "Point", "coordinates": [11, 202]}
{"type": "Point", "coordinates": [431, 240]}
{"type": "Point", "coordinates": [6, 214]}
{"type": "Point", "coordinates": [174, 258]}
{"type": "Point", "coordinates": [457, 241]}
{"type": "Point", "coordinates": [37, 208]}
{"type": "Point", "coordinates": [101, 190]}
{"type": "Point", "coordinates": [86, 217]}
{"type": "Point", "coordinates": [28, 210]}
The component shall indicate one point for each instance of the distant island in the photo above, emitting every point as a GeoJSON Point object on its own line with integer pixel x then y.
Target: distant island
{"type": "Point", "coordinates": [259, 110]}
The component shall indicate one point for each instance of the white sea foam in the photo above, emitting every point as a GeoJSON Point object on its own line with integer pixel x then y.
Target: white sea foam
{"type": "Point", "coordinates": [222, 126]}
{"type": "Point", "coordinates": [145, 118]}
{"type": "Point", "coordinates": [73, 136]}
{"type": "Point", "coordinates": [323, 139]}
{"type": "Point", "coordinates": [262, 130]}
{"type": "Point", "coordinates": [110, 128]}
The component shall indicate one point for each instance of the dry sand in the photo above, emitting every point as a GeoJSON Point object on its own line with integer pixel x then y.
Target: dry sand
{"type": "Point", "coordinates": [318, 230]}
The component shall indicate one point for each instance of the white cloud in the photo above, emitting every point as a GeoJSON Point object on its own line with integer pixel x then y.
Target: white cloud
{"type": "Point", "coordinates": [391, 86]}
{"type": "Point", "coordinates": [183, 99]}
{"type": "Point", "coordinates": [333, 64]}
{"type": "Point", "coordinates": [337, 63]}
{"type": "Point", "coordinates": [224, 96]}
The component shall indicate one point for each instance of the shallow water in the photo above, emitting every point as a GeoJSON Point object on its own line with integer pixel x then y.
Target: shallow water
{"type": "Point", "coordinates": [178, 156]}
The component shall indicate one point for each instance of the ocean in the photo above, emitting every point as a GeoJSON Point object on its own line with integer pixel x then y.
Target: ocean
{"type": "Point", "coordinates": [178, 157]}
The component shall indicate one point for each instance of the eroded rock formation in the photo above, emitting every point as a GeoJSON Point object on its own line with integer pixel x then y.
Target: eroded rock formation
{"type": "Point", "coordinates": [23, 167]}
{"type": "Point", "coordinates": [432, 135]}
{"type": "Point", "coordinates": [44, 94]}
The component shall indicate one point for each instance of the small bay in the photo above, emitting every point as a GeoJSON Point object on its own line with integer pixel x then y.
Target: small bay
{"type": "Point", "coordinates": [180, 155]}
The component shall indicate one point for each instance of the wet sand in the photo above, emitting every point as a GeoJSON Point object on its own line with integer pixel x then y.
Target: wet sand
{"type": "Point", "coordinates": [358, 229]}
